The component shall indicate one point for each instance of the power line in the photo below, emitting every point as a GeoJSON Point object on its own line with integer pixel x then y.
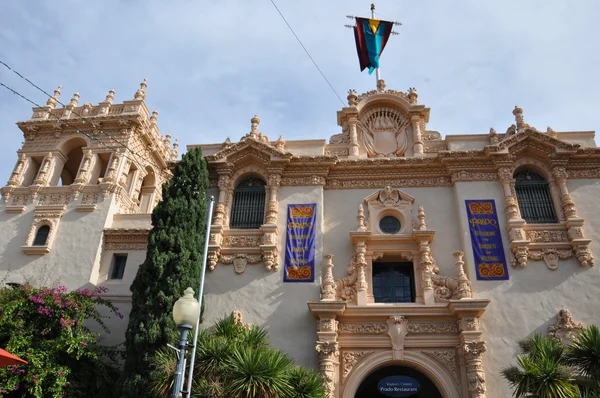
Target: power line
{"type": "Point", "coordinates": [146, 160]}
{"type": "Point", "coordinates": [58, 101]}
{"type": "Point", "coordinates": [80, 131]}
{"type": "Point", "coordinates": [307, 53]}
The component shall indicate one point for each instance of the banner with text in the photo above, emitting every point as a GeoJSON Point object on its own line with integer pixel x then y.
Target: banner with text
{"type": "Point", "coordinates": [486, 239]}
{"type": "Point", "coordinates": [300, 243]}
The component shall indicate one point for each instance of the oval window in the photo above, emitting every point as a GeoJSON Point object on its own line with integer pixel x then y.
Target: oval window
{"type": "Point", "coordinates": [389, 225]}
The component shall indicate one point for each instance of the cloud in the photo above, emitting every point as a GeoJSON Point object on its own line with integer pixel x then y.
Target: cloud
{"type": "Point", "coordinates": [212, 65]}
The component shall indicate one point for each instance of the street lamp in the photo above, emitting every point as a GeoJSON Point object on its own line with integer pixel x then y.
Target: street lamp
{"type": "Point", "coordinates": [186, 312]}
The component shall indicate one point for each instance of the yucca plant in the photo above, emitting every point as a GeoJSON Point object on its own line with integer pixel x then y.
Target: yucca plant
{"type": "Point", "coordinates": [235, 361]}
{"type": "Point", "coordinates": [542, 370]}
{"type": "Point", "coordinates": [583, 354]}
{"type": "Point", "coordinates": [306, 383]}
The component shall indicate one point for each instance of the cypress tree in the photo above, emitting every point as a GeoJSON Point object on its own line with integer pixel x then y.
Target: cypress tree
{"type": "Point", "coordinates": [173, 262]}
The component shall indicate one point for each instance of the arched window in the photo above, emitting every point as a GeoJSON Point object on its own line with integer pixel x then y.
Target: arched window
{"type": "Point", "coordinates": [73, 152]}
{"type": "Point", "coordinates": [248, 209]}
{"type": "Point", "coordinates": [41, 236]}
{"type": "Point", "coordinates": [535, 201]}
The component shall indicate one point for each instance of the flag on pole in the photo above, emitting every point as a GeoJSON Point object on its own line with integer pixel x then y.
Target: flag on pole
{"type": "Point", "coordinates": [371, 36]}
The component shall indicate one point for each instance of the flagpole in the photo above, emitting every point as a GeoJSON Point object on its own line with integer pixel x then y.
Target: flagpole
{"type": "Point", "coordinates": [188, 392]}
{"type": "Point", "coordinates": [377, 74]}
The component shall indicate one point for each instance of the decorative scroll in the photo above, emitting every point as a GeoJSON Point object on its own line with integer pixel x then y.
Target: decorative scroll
{"type": "Point", "coordinates": [300, 243]}
{"type": "Point", "coordinates": [486, 239]}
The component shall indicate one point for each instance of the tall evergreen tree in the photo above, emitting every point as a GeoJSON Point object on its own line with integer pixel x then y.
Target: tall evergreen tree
{"type": "Point", "coordinates": [173, 262]}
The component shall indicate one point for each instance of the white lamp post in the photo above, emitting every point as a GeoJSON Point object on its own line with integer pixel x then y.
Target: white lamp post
{"type": "Point", "coordinates": [186, 312]}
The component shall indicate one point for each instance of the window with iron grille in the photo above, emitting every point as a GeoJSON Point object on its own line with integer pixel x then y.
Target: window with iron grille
{"type": "Point", "coordinates": [248, 209]}
{"type": "Point", "coordinates": [535, 201]}
{"type": "Point", "coordinates": [393, 283]}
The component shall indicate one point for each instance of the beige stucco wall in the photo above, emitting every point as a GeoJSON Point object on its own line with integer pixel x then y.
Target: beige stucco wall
{"type": "Point", "coordinates": [529, 301]}
{"type": "Point", "coordinates": [263, 298]}
{"type": "Point", "coordinates": [75, 251]}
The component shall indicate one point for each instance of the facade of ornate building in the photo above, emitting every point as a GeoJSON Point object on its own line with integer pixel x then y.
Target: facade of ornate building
{"type": "Point", "coordinates": [431, 257]}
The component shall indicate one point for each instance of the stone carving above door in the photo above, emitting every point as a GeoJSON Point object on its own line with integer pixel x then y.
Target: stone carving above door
{"type": "Point", "coordinates": [383, 132]}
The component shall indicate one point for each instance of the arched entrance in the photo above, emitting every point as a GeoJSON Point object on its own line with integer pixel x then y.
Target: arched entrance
{"type": "Point", "coordinates": [397, 381]}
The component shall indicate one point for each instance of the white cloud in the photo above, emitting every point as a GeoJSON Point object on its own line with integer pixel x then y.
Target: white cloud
{"type": "Point", "coordinates": [212, 65]}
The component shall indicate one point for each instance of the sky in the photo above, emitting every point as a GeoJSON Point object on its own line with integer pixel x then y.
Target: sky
{"type": "Point", "coordinates": [211, 66]}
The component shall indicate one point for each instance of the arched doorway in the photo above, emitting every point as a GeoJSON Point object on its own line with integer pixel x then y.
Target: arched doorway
{"type": "Point", "coordinates": [397, 381]}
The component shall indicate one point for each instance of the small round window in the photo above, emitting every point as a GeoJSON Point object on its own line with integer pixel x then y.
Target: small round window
{"type": "Point", "coordinates": [389, 225]}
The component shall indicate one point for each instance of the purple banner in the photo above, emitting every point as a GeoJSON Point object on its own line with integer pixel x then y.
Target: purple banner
{"type": "Point", "coordinates": [486, 240]}
{"type": "Point", "coordinates": [299, 263]}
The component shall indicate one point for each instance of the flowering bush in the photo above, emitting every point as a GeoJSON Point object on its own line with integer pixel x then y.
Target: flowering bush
{"type": "Point", "coordinates": [47, 327]}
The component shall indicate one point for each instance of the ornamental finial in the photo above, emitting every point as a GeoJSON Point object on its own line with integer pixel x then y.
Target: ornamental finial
{"type": "Point", "coordinates": [52, 101]}
{"type": "Point", "coordinates": [110, 97]}
{"type": "Point", "coordinates": [74, 101]}
{"type": "Point", "coordinates": [140, 94]}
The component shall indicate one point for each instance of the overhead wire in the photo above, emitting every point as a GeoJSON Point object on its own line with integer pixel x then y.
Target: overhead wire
{"type": "Point", "coordinates": [82, 132]}
{"type": "Point", "coordinates": [125, 146]}
{"type": "Point", "coordinates": [307, 53]}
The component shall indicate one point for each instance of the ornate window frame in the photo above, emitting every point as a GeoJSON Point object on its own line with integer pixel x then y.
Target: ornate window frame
{"type": "Point", "coordinates": [252, 155]}
{"type": "Point", "coordinates": [44, 215]}
{"type": "Point", "coordinates": [438, 334]}
{"type": "Point", "coordinates": [550, 242]}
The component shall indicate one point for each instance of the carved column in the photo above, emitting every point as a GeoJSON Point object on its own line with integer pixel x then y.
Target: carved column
{"type": "Point", "coordinates": [361, 281]}
{"type": "Point", "coordinates": [361, 219]}
{"type": "Point", "coordinates": [464, 285]}
{"type": "Point", "coordinates": [574, 223]}
{"type": "Point", "coordinates": [328, 283]}
{"type": "Point", "coordinates": [471, 353]}
{"type": "Point", "coordinates": [353, 141]}
{"type": "Point", "coordinates": [328, 352]}
{"type": "Point", "coordinates": [44, 173]}
{"type": "Point", "coordinates": [568, 206]}
{"type": "Point", "coordinates": [136, 186]}
{"type": "Point", "coordinates": [86, 162]}
{"type": "Point", "coordinates": [220, 208]}
{"type": "Point", "coordinates": [16, 178]}
{"type": "Point", "coordinates": [273, 207]}
{"type": "Point", "coordinates": [113, 166]}
{"type": "Point", "coordinates": [269, 248]}
{"type": "Point", "coordinates": [518, 241]}
{"type": "Point", "coordinates": [124, 174]}
{"type": "Point", "coordinates": [417, 139]}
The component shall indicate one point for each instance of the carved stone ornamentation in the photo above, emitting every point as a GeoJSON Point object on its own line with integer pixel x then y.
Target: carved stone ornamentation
{"type": "Point", "coordinates": [17, 175]}
{"type": "Point", "coordinates": [328, 325]}
{"type": "Point", "coordinates": [397, 330]}
{"type": "Point", "coordinates": [565, 329]}
{"type": "Point", "coordinates": [363, 328]}
{"type": "Point", "coordinates": [126, 239]}
{"type": "Point", "coordinates": [472, 351]}
{"type": "Point", "coordinates": [583, 255]}
{"type": "Point", "coordinates": [550, 256]}
{"type": "Point", "coordinates": [432, 327]}
{"type": "Point", "coordinates": [242, 241]}
{"type": "Point", "coordinates": [328, 284]}
{"type": "Point", "coordinates": [547, 236]}
{"type": "Point", "coordinates": [328, 352]}
{"type": "Point", "coordinates": [350, 359]}
{"type": "Point", "coordinates": [383, 132]}
{"type": "Point", "coordinates": [447, 358]}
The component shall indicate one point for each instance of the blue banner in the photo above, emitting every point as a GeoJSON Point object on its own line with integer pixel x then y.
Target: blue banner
{"type": "Point", "coordinates": [486, 240]}
{"type": "Point", "coordinates": [299, 263]}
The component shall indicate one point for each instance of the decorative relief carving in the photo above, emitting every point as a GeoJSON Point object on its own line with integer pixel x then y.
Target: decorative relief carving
{"type": "Point", "coordinates": [328, 325]}
{"type": "Point", "coordinates": [303, 181]}
{"type": "Point", "coordinates": [447, 358]}
{"type": "Point", "coordinates": [328, 284]}
{"type": "Point", "coordinates": [363, 328]}
{"type": "Point", "coordinates": [587, 173]}
{"type": "Point", "coordinates": [472, 351]}
{"type": "Point", "coordinates": [328, 352]}
{"type": "Point", "coordinates": [432, 327]}
{"type": "Point", "coordinates": [126, 239]}
{"type": "Point", "coordinates": [240, 261]}
{"type": "Point", "coordinates": [463, 176]}
{"type": "Point", "coordinates": [242, 241]}
{"type": "Point", "coordinates": [371, 183]}
{"type": "Point", "coordinates": [350, 359]}
{"type": "Point", "coordinates": [550, 256]}
{"type": "Point", "coordinates": [383, 132]}
{"type": "Point", "coordinates": [468, 324]}
{"type": "Point", "coordinates": [565, 329]}
{"type": "Point", "coordinates": [547, 236]}
{"type": "Point", "coordinates": [54, 199]}
{"type": "Point", "coordinates": [397, 330]}
{"type": "Point", "coordinates": [89, 198]}
{"type": "Point", "coordinates": [336, 151]}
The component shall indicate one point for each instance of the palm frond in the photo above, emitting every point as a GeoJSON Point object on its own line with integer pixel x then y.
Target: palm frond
{"type": "Point", "coordinates": [258, 373]}
{"type": "Point", "coordinates": [584, 353]}
{"type": "Point", "coordinates": [306, 383]}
